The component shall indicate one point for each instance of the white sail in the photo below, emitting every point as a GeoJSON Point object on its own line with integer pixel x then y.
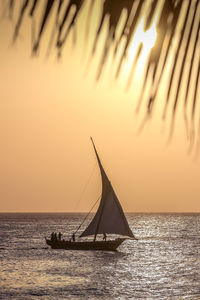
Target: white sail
{"type": "Point", "coordinates": [109, 217]}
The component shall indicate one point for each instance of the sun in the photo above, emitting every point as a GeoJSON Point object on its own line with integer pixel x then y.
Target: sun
{"type": "Point", "coordinates": [149, 37]}
{"type": "Point", "coordinates": [146, 38]}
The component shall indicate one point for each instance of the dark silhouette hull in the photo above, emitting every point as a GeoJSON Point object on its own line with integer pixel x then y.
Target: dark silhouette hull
{"type": "Point", "coordinates": [85, 245]}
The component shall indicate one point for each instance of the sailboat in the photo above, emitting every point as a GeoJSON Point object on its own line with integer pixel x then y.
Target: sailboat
{"type": "Point", "coordinates": [109, 219]}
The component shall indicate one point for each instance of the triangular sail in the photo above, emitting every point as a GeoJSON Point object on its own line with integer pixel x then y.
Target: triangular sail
{"type": "Point", "coordinates": [109, 217]}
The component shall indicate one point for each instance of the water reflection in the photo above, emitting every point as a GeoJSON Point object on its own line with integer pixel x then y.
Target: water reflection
{"type": "Point", "coordinates": [163, 264]}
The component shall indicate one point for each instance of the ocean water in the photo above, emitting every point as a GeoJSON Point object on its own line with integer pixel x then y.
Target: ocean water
{"type": "Point", "coordinates": [163, 264]}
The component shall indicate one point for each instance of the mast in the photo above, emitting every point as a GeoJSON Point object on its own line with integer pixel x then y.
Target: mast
{"type": "Point", "coordinates": [109, 217]}
{"type": "Point", "coordinates": [100, 166]}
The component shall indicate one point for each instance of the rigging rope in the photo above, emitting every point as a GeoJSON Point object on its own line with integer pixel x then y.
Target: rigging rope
{"type": "Point", "coordinates": [87, 215]}
{"type": "Point", "coordinates": [85, 187]}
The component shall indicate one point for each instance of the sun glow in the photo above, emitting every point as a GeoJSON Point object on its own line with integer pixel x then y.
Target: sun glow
{"type": "Point", "coordinates": [146, 38]}
{"type": "Point", "coordinates": [149, 37]}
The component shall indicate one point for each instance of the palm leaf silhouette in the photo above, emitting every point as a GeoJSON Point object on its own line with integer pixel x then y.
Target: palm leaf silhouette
{"type": "Point", "coordinates": [178, 21]}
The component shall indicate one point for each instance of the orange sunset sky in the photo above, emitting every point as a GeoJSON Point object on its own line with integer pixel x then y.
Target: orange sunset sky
{"type": "Point", "coordinates": [48, 111]}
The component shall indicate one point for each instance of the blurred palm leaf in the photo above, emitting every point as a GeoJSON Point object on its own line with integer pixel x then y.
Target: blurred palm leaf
{"type": "Point", "coordinates": [178, 28]}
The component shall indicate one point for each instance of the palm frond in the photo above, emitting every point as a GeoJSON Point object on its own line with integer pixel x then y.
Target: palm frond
{"type": "Point", "coordinates": [178, 29]}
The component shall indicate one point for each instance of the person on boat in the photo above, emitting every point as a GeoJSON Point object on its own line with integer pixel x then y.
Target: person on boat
{"type": "Point", "coordinates": [104, 237]}
{"type": "Point", "coordinates": [59, 235]}
{"type": "Point", "coordinates": [52, 236]}
{"type": "Point", "coordinates": [73, 237]}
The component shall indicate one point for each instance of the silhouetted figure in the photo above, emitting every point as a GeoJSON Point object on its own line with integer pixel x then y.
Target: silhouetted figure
{"type": "Point", "coordinates": [73, 237]}
{"type": "Point", "coordinates": [104, 237]}
{"type": "Point", "coordinates": [59, 235]}
{"type": "Point", "coordinates": [52, 236]}
{"type": "Point", "coordinates": [55, 236]}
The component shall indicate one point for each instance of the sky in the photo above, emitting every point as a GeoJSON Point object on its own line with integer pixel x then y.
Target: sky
{"type": "Point", "coordinates": [48, 111]}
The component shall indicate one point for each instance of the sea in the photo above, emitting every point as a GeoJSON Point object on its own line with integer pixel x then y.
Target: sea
{"type": "Point", "coordinates": [164, 263]}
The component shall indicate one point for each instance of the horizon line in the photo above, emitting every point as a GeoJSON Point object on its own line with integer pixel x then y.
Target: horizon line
{"type": "Point", "coordinates": [84, 212]}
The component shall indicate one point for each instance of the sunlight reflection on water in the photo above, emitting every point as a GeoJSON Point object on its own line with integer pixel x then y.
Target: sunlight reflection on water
{"type": "Point", "coordinates": [162, 264]}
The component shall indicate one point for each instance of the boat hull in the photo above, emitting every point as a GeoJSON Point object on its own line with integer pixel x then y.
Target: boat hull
{"type": "Point", "coordinates": [85, 245]}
